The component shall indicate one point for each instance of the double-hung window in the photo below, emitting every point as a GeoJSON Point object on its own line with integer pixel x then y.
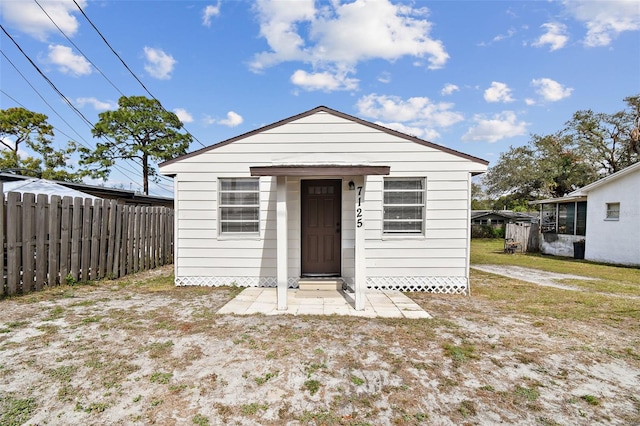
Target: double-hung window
{"type": "Point", "coordinates": [403, 206]}
{"type": "Point", "coordinates": [239, 206]}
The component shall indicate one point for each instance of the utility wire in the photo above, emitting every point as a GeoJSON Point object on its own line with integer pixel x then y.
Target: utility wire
{"type": "Point", "coordinates": [78, 49]}
{"type": "Point", "coordinates": [86, 144]}
{"type": "Point", "coordinates": [127, 67]}
{"type": "Point", "coordinates": [53, 86]}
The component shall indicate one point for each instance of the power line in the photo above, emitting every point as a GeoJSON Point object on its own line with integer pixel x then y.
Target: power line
{"type": "Point", "coordinates": [78, 49]}
{"type": "Point", "coordinates": [129, 69]}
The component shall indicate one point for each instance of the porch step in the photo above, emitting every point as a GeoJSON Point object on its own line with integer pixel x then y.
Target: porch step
{"type": "Point", "coordinates": [323, 284]}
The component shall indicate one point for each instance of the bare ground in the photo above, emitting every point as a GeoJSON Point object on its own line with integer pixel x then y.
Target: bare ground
{"type": "Point", "coordinates": [123, 352]}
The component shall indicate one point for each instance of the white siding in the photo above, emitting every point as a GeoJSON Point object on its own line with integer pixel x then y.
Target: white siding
{"type": "Point", "coordinates": [323, 138]}
{"type": "Point", "coordinates": [614, 241]}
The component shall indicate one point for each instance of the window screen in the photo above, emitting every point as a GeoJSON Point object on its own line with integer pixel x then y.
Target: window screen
{"type": "Point", "coordinates": [403, 206]}
{"type": "Point", "coordinates": [239, 206]}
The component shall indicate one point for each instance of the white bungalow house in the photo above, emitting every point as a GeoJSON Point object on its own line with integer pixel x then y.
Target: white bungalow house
{"type": "Point", "coordinates": [602, 219]}
{"type": "Point", "coordinates": [324, 194]}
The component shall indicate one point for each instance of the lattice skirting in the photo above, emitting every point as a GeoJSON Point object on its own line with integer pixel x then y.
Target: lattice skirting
{"type": "Point", "coordinates": [448, 285]}
{"type": "Point", "coordinates": [234, 281]}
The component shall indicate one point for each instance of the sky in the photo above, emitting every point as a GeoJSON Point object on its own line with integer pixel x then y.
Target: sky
{"type": "Point", "coordinates": [475, 76]}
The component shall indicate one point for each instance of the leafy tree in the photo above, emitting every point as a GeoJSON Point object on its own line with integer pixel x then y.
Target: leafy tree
{"type": "Point", "coordinates": [22, 125]}
{"type": "Point", "coordinates": [140, 129]}
{"type": "Point", "coordinates": [610, 141]}
{"type": "Point", "coordinates": [591, 146]}
{"type": "Point", "coordinates": [19, 125]}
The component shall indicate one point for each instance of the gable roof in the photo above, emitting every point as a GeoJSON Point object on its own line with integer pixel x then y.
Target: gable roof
{"type": "Point", "coordinates": [337, 114]}
{"type": "Point", "coordinates": [634, 168]}
{"type": "Point", "coordinates": [506, 214]}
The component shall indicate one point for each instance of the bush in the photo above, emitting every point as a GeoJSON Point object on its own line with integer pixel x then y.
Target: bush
{"type": "Point", "coordinates": [487, 231]}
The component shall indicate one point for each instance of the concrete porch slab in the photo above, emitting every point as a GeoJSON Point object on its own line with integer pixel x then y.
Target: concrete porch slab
{"type": "Point", "coordinates": [382, 304]}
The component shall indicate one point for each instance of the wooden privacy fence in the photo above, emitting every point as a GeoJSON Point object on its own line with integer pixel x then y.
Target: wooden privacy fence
{"type": "Point", "coordinates": [48, 242]}
{"type": "Point", "coordinates": [524, 233]}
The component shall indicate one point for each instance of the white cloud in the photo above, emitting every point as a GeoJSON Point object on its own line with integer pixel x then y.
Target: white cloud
{"type": "Point", "coordinates": [555, 36]}
{"type": "Point", "coordinates": [501, 37]}
{"type": "Point", "coordinates": [183, 115]}
{"type": "Point", "coordinates": [384, 77]}
{"type": "Point", "coordinates": [67, 61]}
{"type": "Point", "coordinates": [412, 114]}
{"type": "Point", "coordinates": [551, 90]}
{"type": "Point", "coordinates": [605, 20]}
{"type": "Point", "coordinates": [209, 12]}
{"type": "Point", "coordinates": [500, 126]}
{"type": "Point", "coordinates": [233, 119]}
{"type": "Point", "coordinates": [27, 16]}
{"type": "Point", "coordinates": [159, 64]}
{"type": "Point", "coordinates": [530, 101]}
{"type": "Point", "coordinates": [323, 81]}
{"type": "Point", "coordinates": [96, 104]}
{"type": "Point", "coordinates": [448, 89]}
{"type": "Point", "coordinates": [498, 92]}
{"type": "Point", "coordinates": [337, 36]}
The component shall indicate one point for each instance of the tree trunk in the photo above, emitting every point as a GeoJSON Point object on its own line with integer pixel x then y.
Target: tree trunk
{"type": "Point", "coordinates": [145, 173]}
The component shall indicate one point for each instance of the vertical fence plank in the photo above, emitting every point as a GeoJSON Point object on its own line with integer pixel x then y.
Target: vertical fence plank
{"type": "Point", "coordinates": [130, 238]}
{"type": "Point", "coordinates": [104, 232]}
{"type": "Point", "coordinates": [14, 235]}
{"type": "Point", "coordinates": [28, 237]}
{"type": "Point", "coordinates": [117, 240]}
{"type": "Point", "coordinates": [85, 258]}
{"type": "Point", "coordinates": [65, 238]}
{"type": "Point", "coordinates": [76, 238]}
{"type": "Point", "coordinates": [54, 239]}
{"type": "Point", "coordinates": [42, 207]}
{"type": "Point", "coordinates": [124, 243]}
{"type": "Point", "coordinates": [136, 236]}
{"type": "Point", "coordinates": [2, 237]}
{"type": "Point", "coordinates": [143, 239]}
{"type": "Point", "coordinates": [111, 236]}
{"type": "Point", "coordinates": [95, 238]}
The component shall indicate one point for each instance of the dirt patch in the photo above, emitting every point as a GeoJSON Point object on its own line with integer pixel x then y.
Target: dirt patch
{"type": "Point", "coordinates": [531, 275]}
{"type": "Point", "coordinates": [119, 353]}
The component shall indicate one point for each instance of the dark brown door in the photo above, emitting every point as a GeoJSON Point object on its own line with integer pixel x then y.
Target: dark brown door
{"type": "Point", "coordinates": [321, 227]}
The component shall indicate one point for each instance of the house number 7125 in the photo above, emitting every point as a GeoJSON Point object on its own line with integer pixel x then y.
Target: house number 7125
{"type": "Point", "coordinates": [359, 219]}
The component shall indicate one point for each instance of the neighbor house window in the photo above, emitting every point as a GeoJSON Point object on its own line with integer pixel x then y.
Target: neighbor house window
{"type": "Point", "coordinates": [613, 211]}
{"type": "Point", "coordinates": [565, 218]}
{"type": "Point", "coordinates": [239, 206]}
{"type": "Point", "coordinates": [403, 206]}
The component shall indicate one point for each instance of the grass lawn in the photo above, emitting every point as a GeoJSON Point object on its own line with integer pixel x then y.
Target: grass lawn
{"type": "Point", "coordinates": [140, 351]}
{"type": "Point", "coordinates": [610, 278]}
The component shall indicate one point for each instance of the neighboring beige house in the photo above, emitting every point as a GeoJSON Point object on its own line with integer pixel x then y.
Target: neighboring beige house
{"type": "Point", "coordinates": [324, 194]}
{"type": "Point", "coordinates": [600, 220]}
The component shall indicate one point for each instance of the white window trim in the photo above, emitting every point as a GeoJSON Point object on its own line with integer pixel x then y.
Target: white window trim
{"type": "Point", "coordinates": [608, 211]}
{"type": "Point", "coordinates": [406, 235]}
{"type": "Point", "coordinates": [237, 235]}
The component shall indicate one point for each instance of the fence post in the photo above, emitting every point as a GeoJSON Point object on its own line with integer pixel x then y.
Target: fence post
{"type": "Point", "coordinates": [14, 232]}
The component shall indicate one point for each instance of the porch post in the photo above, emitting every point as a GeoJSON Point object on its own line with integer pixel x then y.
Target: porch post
{"type": "Point", "coordinates": [360, 258]}
{"type": "Point", "coordinates": [282, 250]}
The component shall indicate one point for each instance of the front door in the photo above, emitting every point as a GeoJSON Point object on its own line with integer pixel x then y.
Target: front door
{"type": "Point", "coordinates": [321, 227]}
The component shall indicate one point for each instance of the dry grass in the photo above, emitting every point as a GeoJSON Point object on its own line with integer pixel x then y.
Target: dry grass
{"type": "Point", "coordinates": [141, 351]}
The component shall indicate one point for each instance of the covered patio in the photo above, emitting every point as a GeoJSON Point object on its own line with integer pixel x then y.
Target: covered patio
{"type": "Point", "coordinates": [377, 303]}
